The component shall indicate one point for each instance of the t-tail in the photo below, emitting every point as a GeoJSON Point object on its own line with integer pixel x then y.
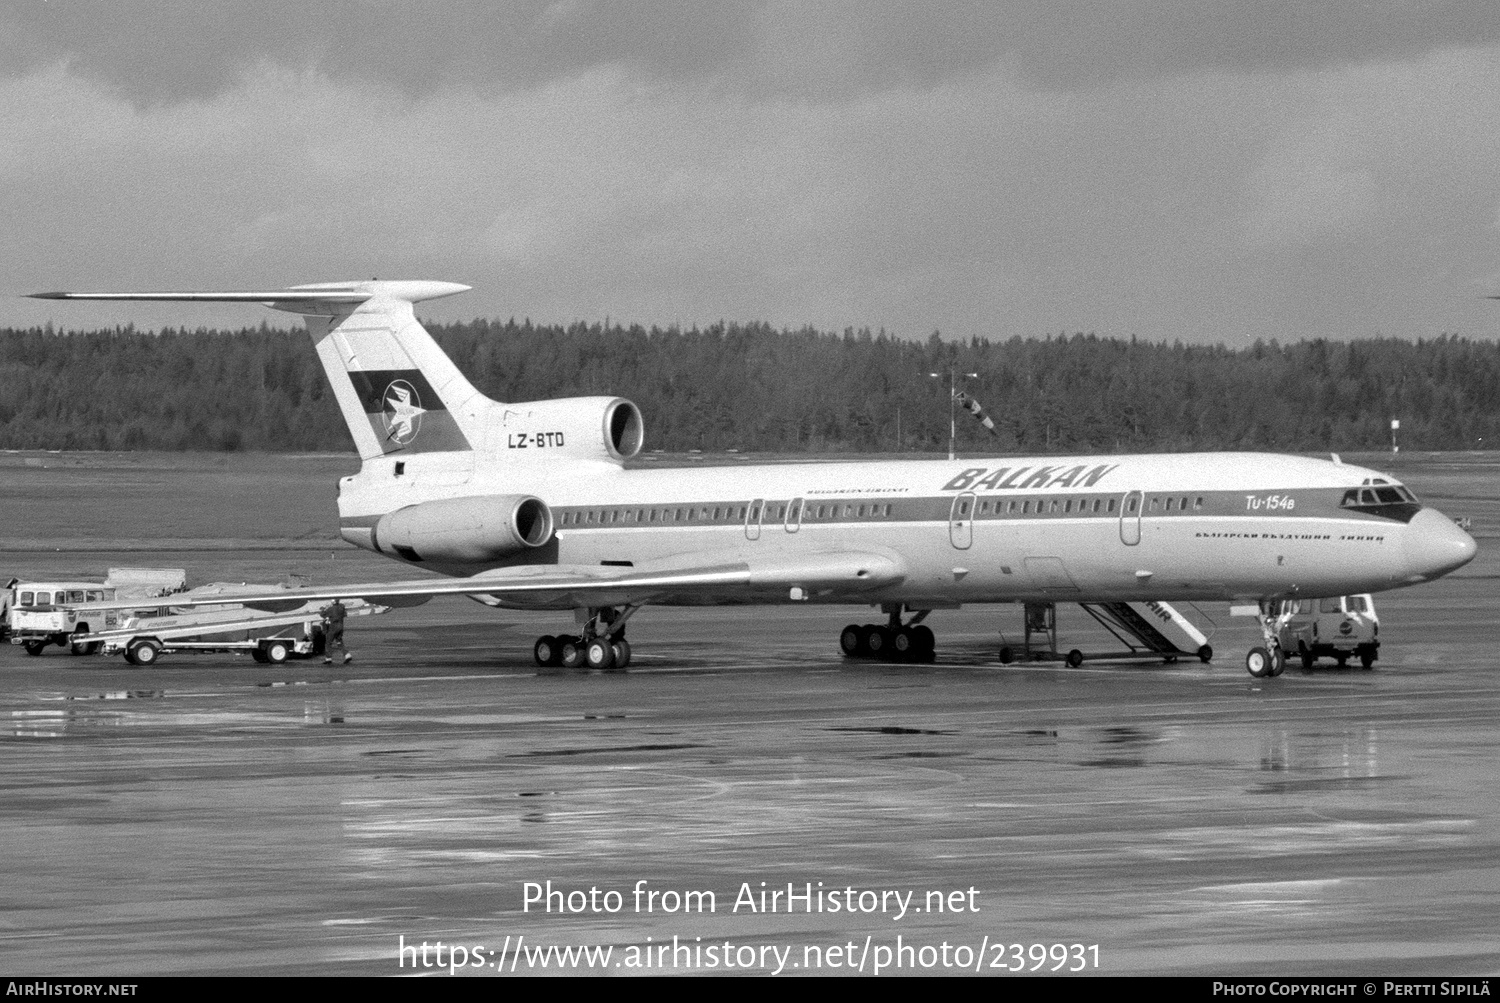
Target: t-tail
{"type": "Point", "coordinates": [400, 394]}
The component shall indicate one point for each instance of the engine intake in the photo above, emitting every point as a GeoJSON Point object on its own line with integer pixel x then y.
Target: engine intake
{"type": "Point", "coordinates": [465, 530]}
{"type": "Point", "coordinates": [605, 428]}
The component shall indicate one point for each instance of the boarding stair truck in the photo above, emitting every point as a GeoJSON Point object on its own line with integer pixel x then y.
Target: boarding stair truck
{"type": "Point", "coordinates": [1148, 630]}
{"type": "Point", "coordinates": [1338, 627]}
{"type": "Point", "coordinates": [39, 614]}
{"type": "Point", "coordinates": [145, 634]}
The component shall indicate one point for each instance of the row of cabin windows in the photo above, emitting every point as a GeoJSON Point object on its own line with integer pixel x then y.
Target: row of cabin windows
{"type": "Point", "coordinates": [721, 513]}
{"type": "Point", "coordinates": [1080, 506]}
{"type": "Point", "coordinates": [688, 513]}
{"type": "Point", "coordinates": [813, 513]}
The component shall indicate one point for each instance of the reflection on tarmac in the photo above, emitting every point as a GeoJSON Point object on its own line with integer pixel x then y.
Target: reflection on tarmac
{"type": "Point", "coordinates": [213, 815]}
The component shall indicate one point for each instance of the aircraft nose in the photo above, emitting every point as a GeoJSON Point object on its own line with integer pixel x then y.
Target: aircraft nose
{"type": "Point", "coordinates": [1435, 545]}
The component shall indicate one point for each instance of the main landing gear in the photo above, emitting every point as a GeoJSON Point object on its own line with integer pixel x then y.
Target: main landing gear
{"type": "Point", "coordinates": [1269, 660]}
{"type": "Point", "coordinates": [893, 641]}
{"type": "Point", "coordinates": [601, 646]}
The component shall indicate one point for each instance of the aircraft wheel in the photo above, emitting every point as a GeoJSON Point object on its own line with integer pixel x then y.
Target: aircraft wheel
{"type": "Point", "coordinates": [570, 652]}
{"type": "Point", "coordinates": [622, 654]}
{"type": "Point", "coordinates": [1258, 662]}
{"type": "Point", "coordinates": [600, 654]}
{"type": "Point", "coordinates": [1075, 658]}
{"type": "Point", "coordinates": [547, 650]}
{"type": "Point", "coordinates": [1006, 655]}
{"type": "Point", "coordinates": [277, 652]}
{"type": "Point", "coordinates": [1205, 654]}
{"type": "Point", "coordinates": [904, 645]}
{"type": "Point", "coordinates": [849, 640]}
{"type": "Point", "coordinates": [143, 653]}
{"type": "Point", "coordinates": [926, 639]}
{"type": "Point", "coordinates": [878, 641]}
{"type": "Point", "coordinates": [34, 647]}
{"type": "Point", "coordinates": [1366, 658]}
{"type": "Point", "coordinates": [1278, 662]}
{"type": "Point", "coordinates": [82, 647]}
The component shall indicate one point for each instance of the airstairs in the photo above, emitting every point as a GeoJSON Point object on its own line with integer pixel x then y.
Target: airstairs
{"type": "Point", "coordinates": [1148, 630]}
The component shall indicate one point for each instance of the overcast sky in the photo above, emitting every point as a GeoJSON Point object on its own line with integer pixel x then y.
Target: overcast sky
{"type": "Point", "coordinates": [1172, 170]}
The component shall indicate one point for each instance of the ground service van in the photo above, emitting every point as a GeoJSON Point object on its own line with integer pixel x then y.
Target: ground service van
{"type": "Point", "coordinates": [43, 613]}
{"type": "Point", "coordinates": [1337, 627]}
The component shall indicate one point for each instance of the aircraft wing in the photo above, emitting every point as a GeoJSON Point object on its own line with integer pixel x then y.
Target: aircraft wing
{"type": "Point", "coordinates": [563, 586]}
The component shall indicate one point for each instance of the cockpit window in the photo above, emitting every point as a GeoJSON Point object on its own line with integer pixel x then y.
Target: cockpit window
{"type": "Point", "coordinates": [1389, 495]}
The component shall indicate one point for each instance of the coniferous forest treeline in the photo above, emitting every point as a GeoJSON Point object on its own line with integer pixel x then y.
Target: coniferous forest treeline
{"type": "Point", "coordinates": [753, 388]}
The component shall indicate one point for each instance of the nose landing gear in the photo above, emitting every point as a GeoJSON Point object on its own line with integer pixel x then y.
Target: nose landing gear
{"type": "Point", "coordinates": [1270, 660]}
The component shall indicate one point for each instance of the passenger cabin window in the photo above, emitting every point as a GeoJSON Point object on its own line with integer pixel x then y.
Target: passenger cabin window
{"type": "Point", "coordinates": [1197, 503]}
{"type": "Point", "coordinates": [1112, 505]}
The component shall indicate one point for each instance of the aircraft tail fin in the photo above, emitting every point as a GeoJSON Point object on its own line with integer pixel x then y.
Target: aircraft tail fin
{"type": "Point", "coordinates": [398, 391]}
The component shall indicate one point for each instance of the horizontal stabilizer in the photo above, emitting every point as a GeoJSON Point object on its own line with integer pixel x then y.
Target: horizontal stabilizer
{"type": "Point", "coordinates": [308, 299]}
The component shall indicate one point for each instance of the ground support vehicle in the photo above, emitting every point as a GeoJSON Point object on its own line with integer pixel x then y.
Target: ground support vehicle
{"type": "Point", "coordinates": [1148, 630]}
{"type": "Point", "coordinates": [1338, 627]}
{"type": "Point", "coordinates": [40, 614]}
{"type": "Point", "coordinates": [147, 634]}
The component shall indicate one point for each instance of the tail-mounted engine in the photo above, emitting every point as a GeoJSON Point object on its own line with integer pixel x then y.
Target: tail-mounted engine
{"type": "Point", "coordinates": [605, 428]}
{"type": "Point", "coordinates": [464, 530]}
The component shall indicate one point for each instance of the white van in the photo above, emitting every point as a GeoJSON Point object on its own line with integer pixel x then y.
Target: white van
{"type": "Point", "coordinates": [1337, 627]}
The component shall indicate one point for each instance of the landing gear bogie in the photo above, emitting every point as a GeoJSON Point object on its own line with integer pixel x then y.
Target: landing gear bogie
{"type": "Point", "coordinates": [910, 642]}
{"type": "Point", "coordinates": [601, 646]}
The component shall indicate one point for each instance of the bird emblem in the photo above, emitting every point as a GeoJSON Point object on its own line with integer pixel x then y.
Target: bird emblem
{"type": "Point", "coordinates": [403, 412]}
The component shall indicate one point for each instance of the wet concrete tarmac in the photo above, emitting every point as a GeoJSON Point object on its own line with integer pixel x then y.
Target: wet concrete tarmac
{"type": "Point", "coordinates": [209, 814]}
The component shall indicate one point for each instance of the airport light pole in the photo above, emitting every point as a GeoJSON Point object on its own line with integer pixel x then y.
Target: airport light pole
{"type": "Point", "coordinates": [1395, 424]}
{"type": "Point", "coordinates": [952, 404]}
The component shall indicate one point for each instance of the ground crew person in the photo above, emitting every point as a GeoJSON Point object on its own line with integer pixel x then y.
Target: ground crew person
{"type": "Point", "coordinates": [333, 632]}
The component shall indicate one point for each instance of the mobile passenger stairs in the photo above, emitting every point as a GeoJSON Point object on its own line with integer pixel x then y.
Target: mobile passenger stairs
{"type": "Point", "coordinates": [1149, 630]}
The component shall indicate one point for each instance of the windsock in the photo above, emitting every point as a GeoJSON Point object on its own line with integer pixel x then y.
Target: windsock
{"type": "Point", "coordinates": [972, 406]}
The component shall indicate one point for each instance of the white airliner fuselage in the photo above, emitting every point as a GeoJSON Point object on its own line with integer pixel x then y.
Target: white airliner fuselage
{"type": "Point", "coordinates": [541, 505]}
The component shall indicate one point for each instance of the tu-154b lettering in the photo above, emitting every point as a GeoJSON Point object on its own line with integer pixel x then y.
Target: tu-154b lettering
{"type": "Point", "coordinates": [532, 506]}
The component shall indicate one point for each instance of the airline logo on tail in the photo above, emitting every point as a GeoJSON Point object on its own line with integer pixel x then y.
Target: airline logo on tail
{"type": "Point", "coordinates": [405, 413]}
{"type": "Point", "coordinates": [402, 412]}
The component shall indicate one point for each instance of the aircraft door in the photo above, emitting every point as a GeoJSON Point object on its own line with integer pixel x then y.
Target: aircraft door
{"type": "Point", "coordinates": [961, 521]}
{"type": "Point", "coordinates": [794, 515]}
{"type": "Point", "coordinates": [1130, 519]}
{"type": "Point", "coordinates": [752, 519]}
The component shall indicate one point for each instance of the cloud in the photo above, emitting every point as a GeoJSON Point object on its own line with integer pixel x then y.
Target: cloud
{"type": "Point", "coordinates": [166, 51]}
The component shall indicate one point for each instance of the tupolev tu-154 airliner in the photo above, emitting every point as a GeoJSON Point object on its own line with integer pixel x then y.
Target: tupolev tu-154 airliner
{"type": "Point", "coordinates": [532, 506]}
